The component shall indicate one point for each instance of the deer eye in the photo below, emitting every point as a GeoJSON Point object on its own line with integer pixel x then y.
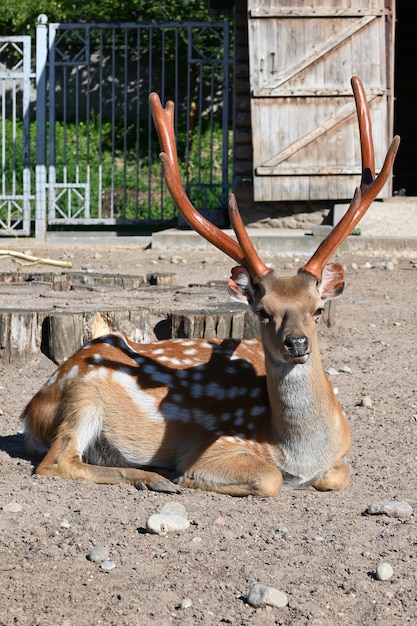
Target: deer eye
{"type": "Point", "coordinates": [318, 314]}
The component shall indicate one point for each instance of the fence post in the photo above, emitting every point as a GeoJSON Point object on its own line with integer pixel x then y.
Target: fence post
{"type": "Point", "coordinates": [41, 60]}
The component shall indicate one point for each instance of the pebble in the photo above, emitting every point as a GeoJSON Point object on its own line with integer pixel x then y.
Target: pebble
{"type": "Point", "coordinates": [107, 566]}
{"type": "Point", "coordinates": [366, 402]}
{"type": "Point", "coordinates": [332, 371]}
{"type": "Point", "coordinates": [384, 571]}
{"type": "Point", "coordinates": [186, 603]}
{"type": "Point", "coordinates": [65, 524]}
{"type": "Point", "coordinates": [174, 508]}
{"type": "Point", "coordinates": [172, 517]}
{"type": "Point", "coordinates": [391, 508]}
{"type": "Point", "coordinates": [99, 553]}
{"type": "Point", "coordinates": [261, 596]}
{"type": "Point", "coordinates": [161, 524]}
{"type": "Point", "coordinates": [12, 507]}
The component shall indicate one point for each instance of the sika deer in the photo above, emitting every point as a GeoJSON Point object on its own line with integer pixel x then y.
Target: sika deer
{"type": "Point", "coordinates": [234, 417]}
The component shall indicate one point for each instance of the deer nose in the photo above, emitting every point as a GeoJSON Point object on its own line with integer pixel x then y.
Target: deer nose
{"type": "Point", "coordinates": [297, 346]}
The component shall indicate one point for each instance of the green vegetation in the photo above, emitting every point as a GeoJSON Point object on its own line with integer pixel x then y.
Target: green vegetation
{"type": "Point", "coordinates": [102, 152]}
{"type": "Point", "coordinates": [20, 16]}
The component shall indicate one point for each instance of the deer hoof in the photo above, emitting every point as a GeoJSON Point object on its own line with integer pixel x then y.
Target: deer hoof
{"type": "Point", "coordinates": [163, 485]}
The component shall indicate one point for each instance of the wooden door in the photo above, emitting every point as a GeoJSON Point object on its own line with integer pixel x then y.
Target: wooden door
{"type": "Point", "coordinates": [302, 54]}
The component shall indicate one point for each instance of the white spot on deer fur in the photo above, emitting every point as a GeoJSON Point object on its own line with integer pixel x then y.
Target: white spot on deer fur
{"type": "Point", "coordinates": [175, 361]}
{"type": "Point", "coordinates": [187, 343]}
{"type": "Point", "coordinates": [187, 362]}
{"type": "Point", "coordinates": [158, 376]}
{"type": "Point", "coordinates": [73, 373]}
{"type": "Point", "coordinates": [143, 400]}
{"type": "Point", "coordinates": [216, 391]}
{"type": "Point", "coordinates": [97, 372]}
{"type": "Point", "coordinates": [158, 351]}
{"type": "Point", "coordinates": [164, 358]}
{"type": "Point", "coordinates": [51, 380]}
{"type": "Point", "coordinates": [257, 410]}
{"type": "Point", "coordinates": [190, 352]}
{"type": "Point", "coordinates": [172, 411]}
{"type": "Point", "coordinates": [197, 391]}
{"type": "Point", "coordinates": [97, 359]}
{"type": "Point", "coordinates": [89, 428]}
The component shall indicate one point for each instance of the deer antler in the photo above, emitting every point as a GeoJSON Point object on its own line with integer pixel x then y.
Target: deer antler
{"type": "Point", "coordinates": [365, 194]}
{"type": "Point", "coordinates": [241, 251]}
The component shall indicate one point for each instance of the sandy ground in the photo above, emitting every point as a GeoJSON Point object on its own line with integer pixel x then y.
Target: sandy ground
{"type": "Point", "coordinates": [318, 548]}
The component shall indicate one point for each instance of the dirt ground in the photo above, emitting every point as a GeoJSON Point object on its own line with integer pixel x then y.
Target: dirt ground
{"type": "Point", "coordinates": [318, 548]}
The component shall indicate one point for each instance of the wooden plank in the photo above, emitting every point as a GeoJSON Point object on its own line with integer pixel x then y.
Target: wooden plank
{"type": "Point", "coordinates": [285, 12]}
{"type": "Point", "coordinates": [284, 155]}
{"type": "Point", "coordinates": [326, 170]}
{"type": "Point", "coordinates": [319, 52]}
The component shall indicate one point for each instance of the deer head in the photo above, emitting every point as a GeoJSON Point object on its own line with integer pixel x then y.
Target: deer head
{"type": "Point", "coordinates": [288, 308]}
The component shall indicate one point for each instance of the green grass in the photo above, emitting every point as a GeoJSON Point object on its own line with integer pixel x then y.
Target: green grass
{"type": "Point", "coordinates": [122, 156]}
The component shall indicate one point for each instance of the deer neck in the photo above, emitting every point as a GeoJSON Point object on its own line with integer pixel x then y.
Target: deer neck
{"type": "Point", "coordinates": [298, 394]}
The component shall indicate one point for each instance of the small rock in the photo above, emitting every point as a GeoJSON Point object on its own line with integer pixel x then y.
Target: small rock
{"type": "Point", "coordinates": [346, 369]}
{"type": "Point", "coordinates": [392, 508]}
{"type": "Point", "coordinates": [366, 402]}
{"type": "Point", "coordinates": [384, 571]}
{"type": "Point", "coordinates": [389, 265]}
{"type": "Point", "coordinates": [332, 371]}
{"type": "Point", "coordinates": [65, 524]}
{"type": "Point", "coordinates": [174, 508]}
{"type": "Point", "coordinates": [99, 553]}
{"type": "Point", "coordinates": [186, 603]}
{"type": "Point", "coordinates": [161, 524]}
{"type": "Point", "coordinates": [353, 266]}
{"type": "Point", "coordinates": [107, 566]}
{"type": "Point", "coordinates": [367, 266]}
{"type": "Point", "coordinates": [261, 596]}
{"type": "Point", "coordinates": [12, 507]}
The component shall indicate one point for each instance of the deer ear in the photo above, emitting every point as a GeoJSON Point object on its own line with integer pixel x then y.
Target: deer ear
{"type": "Point", "coordinates": [240, 285]}
{"type": "Point", "coordinates": [332, 281]}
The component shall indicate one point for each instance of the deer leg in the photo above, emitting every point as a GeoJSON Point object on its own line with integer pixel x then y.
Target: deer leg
{"type": "Point", "coordinates": [232, 473]}
{"type": "Point", "coordinates": [335, 479]}
{"type": "Point", "coordinates": [65, 462]}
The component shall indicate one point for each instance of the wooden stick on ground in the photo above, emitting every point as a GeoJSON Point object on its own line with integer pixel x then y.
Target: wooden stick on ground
{"type": "Point", "coordinates": [33, 260]}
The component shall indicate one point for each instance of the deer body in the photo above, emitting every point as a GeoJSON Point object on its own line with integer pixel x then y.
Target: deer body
{"type": "Point", "coordinates": [235, 417]}
{"type": "Point", "coordinates": [217, 415]}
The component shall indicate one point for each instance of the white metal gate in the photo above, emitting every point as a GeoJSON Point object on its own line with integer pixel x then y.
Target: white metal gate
{"type": "Point", "coordinates": [16, 182]}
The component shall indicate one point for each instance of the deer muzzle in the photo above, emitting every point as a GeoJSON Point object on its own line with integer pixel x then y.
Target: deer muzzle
{"type": "Point", "coordinates": [297, 348]}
